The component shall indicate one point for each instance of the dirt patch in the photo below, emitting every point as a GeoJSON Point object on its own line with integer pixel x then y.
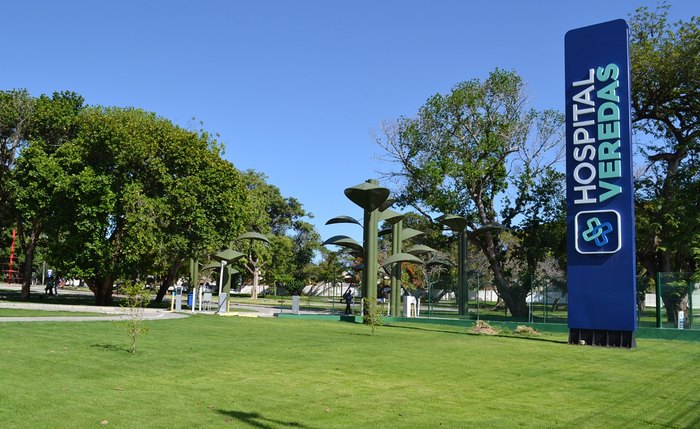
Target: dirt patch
{"type": "Point", "coordinates": [526, 330]}
{"type": "Point", "coordinates": [483, 328]}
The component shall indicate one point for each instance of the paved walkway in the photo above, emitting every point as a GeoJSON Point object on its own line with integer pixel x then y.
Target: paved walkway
{"type": "Point", "coordinates": [110, 313]}
{"type": "Point", "coordinates": [118, 313]}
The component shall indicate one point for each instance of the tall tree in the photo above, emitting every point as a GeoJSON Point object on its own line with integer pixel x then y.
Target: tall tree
{"type": "Point", "coordinates": [665, 60]}
{"type": "Point", "coordinates": [139, 194]}
{"type": "Point", "coordinates": [289, 258]}
{"type": "Point", "coordinates": [36, 174]}
{"type": "Point", "coordinates": [471, 152]}
{"type": "Point", "coordinates": [16, 117]}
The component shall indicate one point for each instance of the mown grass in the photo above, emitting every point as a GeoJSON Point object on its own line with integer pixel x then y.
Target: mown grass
{"type": "Point", "coordinates": [208, 371]}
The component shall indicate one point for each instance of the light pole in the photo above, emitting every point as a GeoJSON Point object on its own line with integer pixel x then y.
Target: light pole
{"type": "Point", "coordinates": [225, 258]}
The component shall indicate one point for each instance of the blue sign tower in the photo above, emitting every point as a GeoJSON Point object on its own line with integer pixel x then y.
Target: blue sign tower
{"type": "Point", "coordinates": [599, 187]}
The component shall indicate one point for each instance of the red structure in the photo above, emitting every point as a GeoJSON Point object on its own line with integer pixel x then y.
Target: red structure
{"type": "Point", "coordinates": [10, 271]}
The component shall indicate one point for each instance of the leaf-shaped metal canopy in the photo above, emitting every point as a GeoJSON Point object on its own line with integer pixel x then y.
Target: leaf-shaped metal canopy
{"type": "Point", "coordinates": [343, 219]}
{"type": "Point", "coordinates": [253, 236]}
{"type": "Point", "coordinates": [390, 216]}
{"type": "Point", "coordinates": [211, 266]}
{"type": "Point", "coordinates": [453, 222]}
{"type": "Point", "coordinates": [445, 262]}
{"type": "Point", "coordinates": [401, 257]}
{"type": "Point", "coordinates": [227, 255]}
{"type": "Point", "coordinates": [344, 241]}
{"type": "Point", "coordinates": [420, 249]}
{"type": "Point", "coordinates": [386, 204]}
{"type": "Point", "coordinates": [367, 195]}
{"type": "Point", "coordinates": [408, 233]}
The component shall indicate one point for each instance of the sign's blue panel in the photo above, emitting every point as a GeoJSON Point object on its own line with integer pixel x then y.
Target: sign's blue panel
{"type": "Point", "coordinates": [599, 188]}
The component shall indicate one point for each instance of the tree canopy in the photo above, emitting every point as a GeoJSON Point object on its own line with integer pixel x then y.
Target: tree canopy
{"type": "Point", "coordinates": [665, 65]}
{"type": "Point", "coordinates": [114, 193]}
{"type": "Point", "coordinates": [481, 153]}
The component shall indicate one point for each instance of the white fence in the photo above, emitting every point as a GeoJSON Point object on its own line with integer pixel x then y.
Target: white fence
{"type": "Point", "coordinates": [650, 300]}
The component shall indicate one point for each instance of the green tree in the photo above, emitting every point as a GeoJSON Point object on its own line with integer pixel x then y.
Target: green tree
{"type": "Point", "coordinates": [332, 266]}
{"type": "Point", "coordinates": [540, 249]}
{"type": "Point", "coordinates": [665, 65]}
{"type": "Point", "coordinates": [281, 270]}
{"type": "Point", "coordinates": [208, 205]}
{"type": "Point", "coordinates": [307, 242]}
{"type": "Point", "coordinates": [139, 194]}
{"type": "Point", "coordinates": [470, 152]}
{"type": "Point", "coordinates": [37, 175]}
{"type": "Point", "coordinates": [16, 118]}
{"type": "Point", "coordinates": [290, 257]}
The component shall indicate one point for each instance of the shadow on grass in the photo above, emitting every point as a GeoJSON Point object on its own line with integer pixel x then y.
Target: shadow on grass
{"type": "Point", "coordinates": [111, 348]}
{"type": "Point", "coordinates": [516, 337]}
{"type": "Point", "coordinates": [257, 420]}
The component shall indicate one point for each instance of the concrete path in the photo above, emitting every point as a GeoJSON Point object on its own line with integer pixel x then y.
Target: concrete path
{"type": "Point", "coordinates": [110, 313]}
{"type": "Point", "coordinates": [118, 313]}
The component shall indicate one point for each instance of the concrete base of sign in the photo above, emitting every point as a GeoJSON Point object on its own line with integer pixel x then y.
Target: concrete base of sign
{"type": "Point", "coordinates": [295, 304]}
{"type": "Point", "coordinates": [602, 337]}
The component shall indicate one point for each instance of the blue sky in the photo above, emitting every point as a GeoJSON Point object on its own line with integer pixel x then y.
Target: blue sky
{"type": "Point", "coordinates": [294, 88]}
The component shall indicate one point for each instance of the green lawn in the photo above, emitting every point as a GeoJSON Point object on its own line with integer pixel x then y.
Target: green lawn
{"type": "Point", "coordinates": [208, 372]}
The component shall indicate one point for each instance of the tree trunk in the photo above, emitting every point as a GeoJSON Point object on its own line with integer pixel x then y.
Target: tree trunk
{"type": "Point", "coordinates": [674, 304]}
{"type": "Point", "coordinates": [515, 299]}
{"type": "Point", "coordinates": [169, 280]}
{"type": "Point", "coordinates": [256, 279]}
{"type": "Point", "coordinates": [29, 260]}
{"type": "Point", "coordinates": [102, 289]}
{"type": "Point", "coordinates": [102, 283]}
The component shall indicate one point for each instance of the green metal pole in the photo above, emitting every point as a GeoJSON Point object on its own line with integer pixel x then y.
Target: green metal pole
{"type": "Point", "coordinates": [430, 307]}
{"type": "Point", "coordinates": [658, 300]}
{"type": "Point", "coordinates": [544, 302]}
{"type": "Point", "coordinates": [532, 289]}
{"type": "Point", "coordinates": [396, 269]}
{"type": "Point", "coordinates": [369, 274]}
{"type": "Point", "coordinates": [691, 287]}
{"type": "Point", "coordinates": [462, 273]}
{"type": "Point", "coordinates": [477, 296]}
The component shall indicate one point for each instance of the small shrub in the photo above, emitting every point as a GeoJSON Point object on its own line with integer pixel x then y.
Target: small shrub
{"type": "Point", "coordinates": [374, 317]}
{"type": "Point", "coordinates": [136, 299]}
{"type": "Point", "coordinates": [307, 300]}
